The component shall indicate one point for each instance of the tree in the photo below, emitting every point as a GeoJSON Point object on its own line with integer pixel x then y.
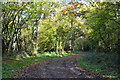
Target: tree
{"type": "Point", "coordinates": [20, 25]}
{"type": "Point", "coordinates": [103, 22]}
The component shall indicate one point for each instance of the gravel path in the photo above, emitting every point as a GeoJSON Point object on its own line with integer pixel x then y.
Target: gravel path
{"type": "Point", "coordinates": [60, 67]}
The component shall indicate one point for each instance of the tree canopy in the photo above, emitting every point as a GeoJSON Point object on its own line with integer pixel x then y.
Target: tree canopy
{"type": "Point", "coordinates": [29, 27]}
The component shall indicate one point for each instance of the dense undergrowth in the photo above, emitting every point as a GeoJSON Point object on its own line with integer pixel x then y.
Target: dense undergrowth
{"type": "Point", "coordinates": [10, 66]}
{"type": "Point", "coordinates": [105, 64]}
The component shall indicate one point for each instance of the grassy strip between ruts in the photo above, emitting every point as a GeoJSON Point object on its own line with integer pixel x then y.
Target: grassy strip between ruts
{"type": "Point", "coordinates": [9, 67]}
{"type": "Point", "coordinates": [105, 64]}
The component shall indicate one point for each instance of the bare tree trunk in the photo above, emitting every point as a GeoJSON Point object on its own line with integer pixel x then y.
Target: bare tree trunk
{"type": "Point", "coordinates": [57, 46]}
{"type": "Point", "coordinates": [70, 44]}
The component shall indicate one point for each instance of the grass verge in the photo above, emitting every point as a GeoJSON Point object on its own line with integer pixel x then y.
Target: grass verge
{"type": "Point", "coordinates": [105, 64]}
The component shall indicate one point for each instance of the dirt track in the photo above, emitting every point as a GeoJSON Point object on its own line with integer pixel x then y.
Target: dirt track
{"type": "Point", "coordinates": [60, 67]}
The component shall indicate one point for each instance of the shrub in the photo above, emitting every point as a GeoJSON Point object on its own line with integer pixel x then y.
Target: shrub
{"type": "Point", "coordinates": [106, 64]}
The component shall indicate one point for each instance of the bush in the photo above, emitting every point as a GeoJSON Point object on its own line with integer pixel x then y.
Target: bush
{"type": "Point", "coordinates": [106, 64]}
